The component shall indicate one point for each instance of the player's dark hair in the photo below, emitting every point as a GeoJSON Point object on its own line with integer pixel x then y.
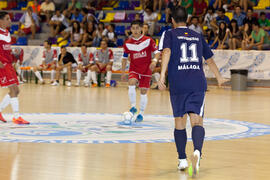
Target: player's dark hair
{"type": "Point", "coordinates": [49, 42]}
{"type": "Point", "coordinates": [63, 47]}
{"type": "Point", "coordinates": [194, 17]}
{"type": "Point", "coordinates": [84, 45]}
{"type": "Point", "coordinates": [256, 23]}
{"type": "Point", "coordinates": [137, 22]}
{"type": "Point", "coordinates": [211, 8]}
{"type": "Point", "coordinates": [262, 14]}
{"type": "Point", "coordinates": [179, 15]}
{"type": "Point", "coordinates": [3, 14]}
{"type": "Point", "coordinates": [250, 8]}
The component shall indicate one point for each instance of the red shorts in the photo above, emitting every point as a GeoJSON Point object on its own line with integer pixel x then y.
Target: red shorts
{"type": "Point", "coordinates": [48, 65]}
{"type": "Point", "coordinates": [144, 80]}
{"type": "Point", "coordinates": [103, 69]}
{"type": "Point", "coordinates": [28, 30]}
{"type": "Point", "coordinates": [8, 76]}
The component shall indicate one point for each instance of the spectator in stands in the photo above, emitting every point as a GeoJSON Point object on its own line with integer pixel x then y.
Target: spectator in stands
{"type": "Point", "coordinates": [169, 9]}
{"type": "Point", "coordinates": [74, 4]}
{"type": "Point", "coordinates": [199, 9]}
{"type": "Point", "coordinates": [146, 29]}
{"type": "Point", "coordinates": [91, 6]}
{"type": "Point", "coordinates": [234, 3]}
{"type": "Point", "coordinates": [147, 3]}
{"type": "Point", "coordinates": [36, 7]}
{"type": "Point", "coordinates": [249, 18]}
{"type": "Point", "coordinates": [239, 17]}
{"type": "Point", "coordinates": [222, 36]}
{"type": "Point", "coordinates": [76, 34]}
{"type": "Point", "coordinates": [188, 4]}
{"type": "Point", "coordinates": [209, 17]}
{"type": "Point", "coordinates": [249, 4]}
{"type": "Point", "coordinates": [260, 39]}
{"type": "Point", "coordinates": [217, 4]}
{"type": "Point", "coordinates": [76, 15]}
{"type": "Point", "coordinates": [65, 60]}
{"type": "Point", "coordinates": [88, 17]}
{"type": "Point", "coordinates": [195, 26]}
{"type": "Point", "coordinates": [264, 22]}
{"type": "Point", "coordinates": [235, 35]}
{"type": "Point", "coordinates": [89, 34]}
{"type": "Point", "coordinates": [246, 35]}
{"type": "Point", "coordinates": [103, 63]}
{"type": "Point", "coordinates": [60, 4]}
{"type": "Point", "coordinates": [150, 18]}
{"type": "Point", "coordinates": [220, 18]}
{"type": "Point", "coordinates": [111, 36]}
{"type": "Point", "coordinates": [29, 23]}
{"type": "Point", "coordinates": [46, 10]}
{"type": "Point", "coordinates": [158, 3]}
{"type": "Point", "coordinates": [58, 23]}
{"type": "Point", "coordinates": [100, 34]}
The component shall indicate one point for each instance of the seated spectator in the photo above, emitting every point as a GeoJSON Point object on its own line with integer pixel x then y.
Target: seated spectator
{"type": "Point", "coordinates": [220, 18]}
{"type": "Point", "coordinates": [103, 63]}
{"type": "Point", "coordinates": [86, 62]}
{"type": "Point", "coordinates": [195, 26]}
{"type": "Point", "coordinates": [74, 4]}
{"type": "Point", "coordinates": [76, 16]}
{"type": "Point", "coordinates": [260, 39]}
{"type": "Point", "coordinates": [89, 34]}
{"type": "Point", "coordinates": [169, 9]}
{"type": "Point", "coordinates": [88, 17]}
{"type": "Point", "coordinates": [111, 36]}
{"type": "Point", "coordinates": [246, 35]}
{"type": "Point", "coordinates": [46, 10]}
{"type": "Point", "coordinates": [235, 35]}
{"type": "Point", "coordinates": [264, 22]}
{"type": "Point", "coordinates": [49, 59]}
{"type": "Point", "coordinates": [249, 18]}
{"type": "Point", "coordinates": [146, 29]}
{"type": "Point", "coordinates": [137, 18]}
{"type": "Point", "coordinates": [199, 9]}
{"type": "Point", "coordinates": [147, 3]}
{"type": "Point", "coordinates": [36, 7]}
{"type": "Point", "coordinates": [76, 34]}
{"type": "Point", "coordinates": [159, 4]}
{"type": "Point", "coordinates": [234, 3]}
{"type": "Point", "coordinates": [65, 60]}
{"type": "Point", "coordinates": [100, 34]}
{"type": "Point", "coordinates": [58, 23]}
{"type": "Point", "coordinates": [209, 17]}
{"type": "Point", "coordinates": [249, 4]}
{"type": "Point", "coordinates": [222, 36]}
{"type": "Point", "coordinates": [150, 18]}
{"type": "Point", "coordinates": [239, 17]}
{"type": "Point", "coordinates": [91, 6]}
{"type": "Point", "coordinates": [60, 4]}
{"type": "Point", "coordinates": [188, 5]}
{"type": "Point", "coordinates": [30, 23]}
{"type": "Point", "coordinates": [217, 4]}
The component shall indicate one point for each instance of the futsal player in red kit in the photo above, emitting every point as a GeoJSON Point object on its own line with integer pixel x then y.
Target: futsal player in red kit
{"type": "Point", "coordinates": [8, 76]}
{"type": "Point", "coordinates": [139, 48]}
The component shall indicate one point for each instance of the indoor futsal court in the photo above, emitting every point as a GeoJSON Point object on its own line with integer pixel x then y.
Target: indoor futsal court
{"type": "Point", "coordinates": [74, 135]}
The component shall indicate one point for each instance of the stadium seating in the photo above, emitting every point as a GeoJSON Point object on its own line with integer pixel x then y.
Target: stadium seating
{"type": "Point", "coordinates": [21, 41]}
{"type": "Point", "coordinates": [17, 17]}
{"type": "Point", "coordinates": [119, 16]}
{"type": "Point", "coordinates": [120, 30]}
{"type": "Point", "coordinates": [108, 18]}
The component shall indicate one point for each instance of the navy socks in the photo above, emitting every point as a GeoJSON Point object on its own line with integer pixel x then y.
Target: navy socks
{"type": "Point", "coordinates": [198, 134]}
{"type": "Point", "coordinates": [180, 137]}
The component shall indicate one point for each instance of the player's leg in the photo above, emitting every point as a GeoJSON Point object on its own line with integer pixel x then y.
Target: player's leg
{"type": "Point", "coordinates": [94, 70]}
{"type": "Point", "coordinates": [53, 68]}
{"type": "Point", "coordinates": [57, 77]}
{"type": "Point", "coordinates": [69, 73]}
{"type": "Point", "coordinates": [156, 74]}
{"type": "Point", "coordinates": [79, 74]}
{"type": "Point", "coordinates": [36, 70]}
{"type": "Point", "coordinates": [109, 75]}
{"type": "Point", "coordinates": [13, 93]}
{"type": "Point", "coordinates": [132, 81]}
{"type": "Point", "coordinates": [88, 76]}
{"type": "Point", "coordinates": [180, 138]}
{"type": "Point", "coordinates": [4, 103]}
{"type": "Point", "coordinates": [143, 104]}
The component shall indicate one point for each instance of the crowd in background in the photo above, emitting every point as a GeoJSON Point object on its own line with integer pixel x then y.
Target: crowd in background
{"type": "Point", "coordinates": [78, 23]}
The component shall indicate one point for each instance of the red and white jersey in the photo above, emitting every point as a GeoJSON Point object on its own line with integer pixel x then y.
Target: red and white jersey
{"type": "Point", "coordinates": [104, 56]}
{"type": "Point", "coordinates": [86, 59]}
{"type": "Point", "coordinates": [17, 54]}
{"type": "Point", "coordinates": [140, 53]}
{"type": "Point", "coordinates": [5, 46]}
{"type": "Point", "coordinates": [49, 56]}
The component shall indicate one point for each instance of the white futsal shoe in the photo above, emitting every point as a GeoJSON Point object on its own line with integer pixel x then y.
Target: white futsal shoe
{"type": "Point", "coordinates": [68, 83]}
{"type": "Point", "coordinates": [55, 83]}
{"type": "Point", "coordinates": [195, 159]}
{"type": "Point", "coordinates": [183, 164]}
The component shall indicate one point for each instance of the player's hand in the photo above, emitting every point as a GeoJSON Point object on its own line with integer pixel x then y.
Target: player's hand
{"type": "Point", "coordinates": [161, 83]}
{"type": "Point", "coordinates": [222, 81]}
{"type": "Point", "coordinates": [123, 77]}
{"type": "Point", "coordinates": [152, 66]}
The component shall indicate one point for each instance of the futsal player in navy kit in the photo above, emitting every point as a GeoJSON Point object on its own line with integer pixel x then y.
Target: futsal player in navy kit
{"type": "Point", "coordinates": [183, 53]}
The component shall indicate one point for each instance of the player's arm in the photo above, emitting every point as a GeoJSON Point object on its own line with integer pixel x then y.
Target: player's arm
{"type": "Point", "coordinates": [166, 54]}
{"type": "Point", "coordinates": [154, 49]}
{"type": "Point", "coordinates": [123, 69]}
{"type": "Point", "coordinates": [111, 57]}
{"type": "Point", "coordinates": [213, 67]}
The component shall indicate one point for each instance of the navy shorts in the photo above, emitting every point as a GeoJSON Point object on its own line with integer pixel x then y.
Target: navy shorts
{"type": "Point", "coordinates": [188, 103]}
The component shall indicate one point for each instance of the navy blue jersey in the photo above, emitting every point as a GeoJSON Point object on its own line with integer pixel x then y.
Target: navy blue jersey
{"type": "Point", "coordinates": [185, 68]}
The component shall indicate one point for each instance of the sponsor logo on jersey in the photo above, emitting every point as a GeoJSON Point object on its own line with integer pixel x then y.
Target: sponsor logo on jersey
{"type": "Point", "coordinates": [187, 67]}
{"type": "Point", "coordinates": [140, 55]}
{"type": "Point", "coordinates": [6, 47]}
